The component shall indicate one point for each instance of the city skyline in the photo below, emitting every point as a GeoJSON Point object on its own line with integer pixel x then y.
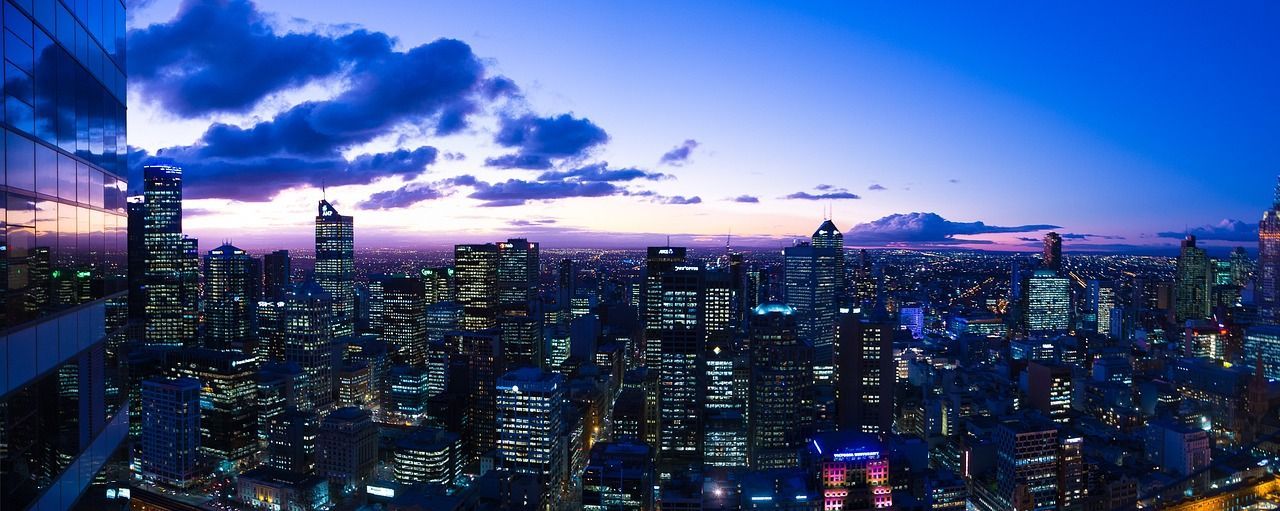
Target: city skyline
{"type": "Point", "coordinates": [696, 123]}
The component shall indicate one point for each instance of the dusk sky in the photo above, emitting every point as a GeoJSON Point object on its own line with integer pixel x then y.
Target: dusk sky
{"type": "Point", "coordinates": [953, 124]}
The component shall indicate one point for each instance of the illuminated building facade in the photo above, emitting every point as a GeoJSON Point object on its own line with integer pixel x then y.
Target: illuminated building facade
{"type": "Point", "coordinates": [335, 266]}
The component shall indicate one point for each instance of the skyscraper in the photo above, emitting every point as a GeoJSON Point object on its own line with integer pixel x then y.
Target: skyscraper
{"type": "Point", "coordinates": [65, 224]}
{"type": "Point", "coordinates": [170, 447]}
{"type": "Point", "coordinates": [347, 447]}
{"type": "Point", "coordinates": [1027, 456]}
{"type": "Point", "coordinates": [228, 297]}
{"type": "Point", "coordinates": [228, 404]}
{"type": "Point", "coordinates": [530, 422]}
{"type": "Point", "coordinates": [866, 376]}
{"type": "Point", "coordinates": [1048, 303]}
{"type": "Point", "coordinates": [404, 319]}
{"type": "Point", "coordinates": [517, 276]}
{"type": "Point", "coordinates": [277, 275]}
{"type": "Point", "coordinates": [170, 278]}
{"type": "Point", "coordinates": [680, 332]}
{"type": "Point", "coordinates": [827, 236]}
{"type": "Point", "coordinates": [1053, 252]}
{"type": "Point", "coordinates": [619, 477]}
{"type": "Point", "coordinates": [1268, 287]}
{"type": "Point", "coordinates": [780, 375]}
{"type": "Point", "coordinates": [811, 286]}
{"type": "Point", "coordinates": [335, 266]}
{"type": "Point", "coordinates": [1102, 304]}
{"type": "Point", "coordinates": [1192, 283]}
{"type": "Point", "coordinates": [308, 341]}
{"type": "Point", "coordinates": [476, 271]}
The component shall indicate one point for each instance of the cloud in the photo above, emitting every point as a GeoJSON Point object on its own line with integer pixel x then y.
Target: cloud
{"type": "Point", "coordinates": [1226, 230]}
{"type": "Point", "coordinates": [259, 178]}
{"type": "Point", "coordinates": [539, 140]}
{"type": "Point", "coordinates": [601, 172]}
{"type": "Point", "coordinates": [519, 222]}
{"type": "Point", "coordinates": [514, 192]}
{"type": "Point", "coordinates": [748, 199]}
{"type": "Point", "coordinates": [680, 154]}
{"type": "Point", "coordinates": [824, 187]}
{"type": "Point", "coordinates": [953, 181]}
{"type": "Point", "coordinates": [221, 56]}
{"type": "Point", "coordinates": [678, 199]}
{"type": "Point", "coordinates": [405, 196]}
{"type": "Point", "coordinates": [225, 57]}
{"type": "Point", "coordinates": [823, 196]}
{"type": "Point", "coordinates": [927, 228]}
{"type": "Point", "coordinates": [876, 188]}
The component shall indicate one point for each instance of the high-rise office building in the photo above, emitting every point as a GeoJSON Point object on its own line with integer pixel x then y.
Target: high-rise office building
{"type": "Point", "coordinates": [1102, 304]}
{"type": "Point", "coordinates": [619, 477]}
{"type": "Point", "coordinates": [1049, 387]}
{"type": "Point", "coordinates": [65, 225]}
{"type": "Point", "coordinates": [228, 297]}
{"type": "Point", "coordinates": [681, 333]}
{"type": "Point", "coordinates": [827, 236]}
{"type": "Point", "coordinates": [309, 341]}
{"type": "Point", "coordinates": [567, 282]}
{"type": "Point", "coordinates": [170, 443]}
{"type": "Point", "coordinates": [780, 377]}
{"type": "Point", "coordinates": [1192, 283]}
{"type": "Point", "coordinates": [522, 341]}
{"type": "Point", "coordinates": [811, 287]}
{"type": "Point", "coordinates": [1262, 342]}
{"type": "Point", "coordinates": [439, 284]}
{"type": "Point", "coordinates": [476, 271]}
{"type": "Point", "coordinates": [1052, 257]}
{"type": "Point", "coordinates": [1048, 303]}
{"type": "Point", "coordinates": [277, 275]}
{"type": "Point", "coordinates": [228, 401]}
{"type": "Point", "coordinates": [518, 272]}
{"type": "Point", "coordinates": [429, 455]}
{"type": "Point", "coordinates": [1268, 282]}
{"type": "Point", "coordinates": [291, 441]}
{"type": "Point", "coordinates": [478, 355]}
{"type": "Point", "coordinates": [531, 428]}
{"type": "Point", "coordinates": [404, 319]}
{"type": "Point", "coordinates": [335, 266]}
{"type": "Point", "coordinates": [1027, 460]}
{"type": "Point", "coordinates": [865, 387]}
{"type": "Point", "coordinates": [170, 274]}
{"type": "Point", "coordinates": [853, 468]}
{"type": "Point", "coordinates": [269, 337]}
{"type": "Point", "coordinates": [658, 262]}
{"type": "Point", "coordinates": [347, 447]}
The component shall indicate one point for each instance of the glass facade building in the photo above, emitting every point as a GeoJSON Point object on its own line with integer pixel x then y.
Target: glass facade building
{"type": "Point", "coordinates": [335, 265]}
{"type": "Point", "coordinates": [63, 246]}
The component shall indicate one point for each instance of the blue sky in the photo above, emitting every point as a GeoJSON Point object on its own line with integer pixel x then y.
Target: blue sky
{"type": "Point", "coordinates": [1119, 121]}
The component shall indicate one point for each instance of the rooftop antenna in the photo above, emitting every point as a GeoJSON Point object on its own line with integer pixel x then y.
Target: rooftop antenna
{"type": "Point", "coordinates": [728, 241]}
{"type": "Point", "coordinates": [668, 241]}
{"type": "Point", "coordinates": [323, 194]}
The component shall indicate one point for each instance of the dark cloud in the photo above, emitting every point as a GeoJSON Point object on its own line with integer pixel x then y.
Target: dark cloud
{"type": "Point", "coordinates": [927, 228]}
{"type": "Point", "coordinates": [678, 199]}
{"type": "Point", "coordinates": [750, 199]}
{"type": "Point", "coordinates": [405, 196]}
{"type": "Point", "coordinates": [219, 56]}
{"type": "Point", "coordinates": [680, 154]}
{"type": "Point", "coordinates": [223, 56]}
{"type": "Point", "coordinates": [824, 187]}
{"type": "Point", "coordinates": [514, 192]}
{"type": "Point", "coordinates": [876, 188]}
{"type": "Point", "coordinates": [601, 172]}
{"type": "Point", "coordinates": [260, 178]}
{"type": "Point", "coordinates": [451, 156]}
{"type": "Point", "coordinates": [1085, 237]}
{"type": "Point", "coordinates": [539, 140]}
{"type": "Point", "coordinates": [823, 196]}
{"type": "Point", "coordinates": [533, 222]}
{"type": "Point", "coordinates": [953, 181]}
{"type": "Point", "coordinates": [1226, 230]}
